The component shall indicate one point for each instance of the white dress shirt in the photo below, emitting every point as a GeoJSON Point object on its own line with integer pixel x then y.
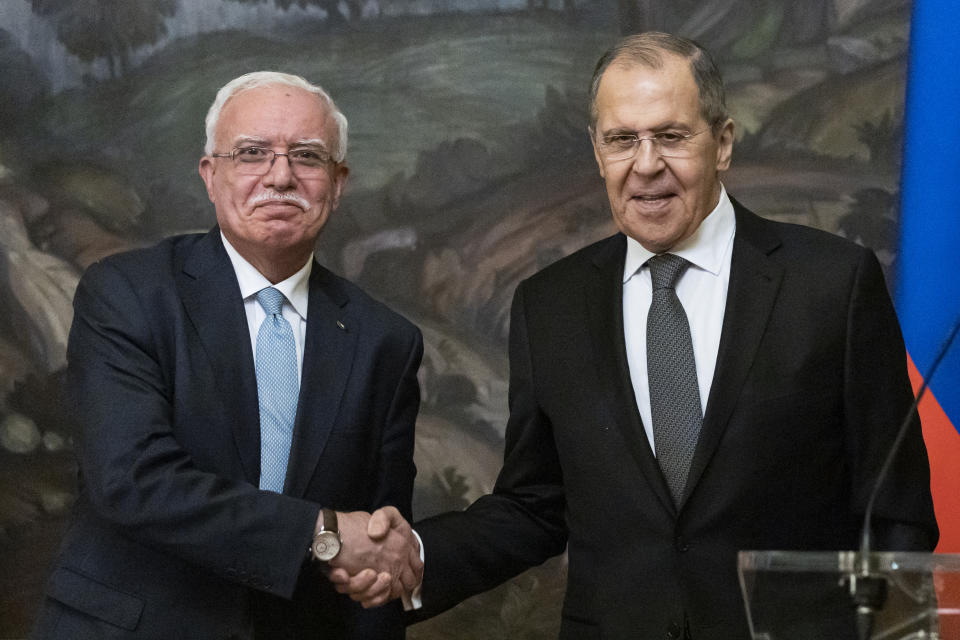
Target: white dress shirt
{"type": "Point", "coordinates": [295, 290]}
{"type": "Point", "coordinates": [702, 290]}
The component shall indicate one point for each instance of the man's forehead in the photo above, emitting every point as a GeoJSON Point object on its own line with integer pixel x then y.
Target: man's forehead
{"type": "Point", "coordinates": [275, 113]}
{"type": "Point", "coordinates": [258, 99]}
{"type": "Point", "coordinates": [667, 65]}
{"type": "Point", "coordinates": [268, 139]}
{"type": "Point", "coordinates": [668, 91]}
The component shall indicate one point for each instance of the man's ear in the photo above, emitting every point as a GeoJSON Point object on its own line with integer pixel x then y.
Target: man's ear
{"type": "Point", "coordinates": [596, 152]}
{"type": "Point", "coordinates": [206, 169]}
{"type": "Point", "coordinates": [340, 174]}
{"type": "Point", "coordinates": [725, 146]}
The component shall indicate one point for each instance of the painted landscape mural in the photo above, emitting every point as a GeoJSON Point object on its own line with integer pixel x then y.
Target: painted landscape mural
{"type": "Point", "coordinates": [471, 169]}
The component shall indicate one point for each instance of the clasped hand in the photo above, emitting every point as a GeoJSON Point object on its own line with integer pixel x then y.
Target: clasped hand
{"type": "Point", "coordinates": [380, 557]}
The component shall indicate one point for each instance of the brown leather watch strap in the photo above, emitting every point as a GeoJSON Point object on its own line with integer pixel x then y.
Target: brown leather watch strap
{"type": "Point", "coordinates": [330, 520]}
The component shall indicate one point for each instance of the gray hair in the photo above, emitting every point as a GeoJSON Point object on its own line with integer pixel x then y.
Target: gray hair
{"type": "Point", "coordinates": [647, 49]}
{"type": "Point", "coordinates": [270, 78]}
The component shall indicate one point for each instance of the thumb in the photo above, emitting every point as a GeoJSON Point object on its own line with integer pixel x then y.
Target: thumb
{"type": "Point", "coordinates": [382, 521]}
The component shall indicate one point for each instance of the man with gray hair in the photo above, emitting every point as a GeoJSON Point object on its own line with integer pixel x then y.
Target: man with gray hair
{"type": "Point", "coordinates": [242, 408]}
{"type": "Point", "coordinates": [702, 382]}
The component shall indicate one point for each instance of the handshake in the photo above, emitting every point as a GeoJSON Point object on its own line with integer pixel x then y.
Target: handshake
{"type": "Point", "coordinates": [379, 559]}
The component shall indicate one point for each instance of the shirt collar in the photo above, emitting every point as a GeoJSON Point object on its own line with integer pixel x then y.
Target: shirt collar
{"type": "Point", "coordinates": [295, 288]}
{"type": "Point", "coordinates": [704, 249]}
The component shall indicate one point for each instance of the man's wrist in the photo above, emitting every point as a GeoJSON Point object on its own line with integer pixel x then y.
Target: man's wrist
{"type": "Point", "coordinates": [326, 543]}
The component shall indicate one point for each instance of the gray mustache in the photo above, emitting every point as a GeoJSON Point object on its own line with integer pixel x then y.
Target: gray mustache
{"type": "Point", "coordinates": [273, 196]}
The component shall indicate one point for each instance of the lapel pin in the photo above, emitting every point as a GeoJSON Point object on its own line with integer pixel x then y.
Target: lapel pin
{"type": "Point", "coordinates": [341, 326]}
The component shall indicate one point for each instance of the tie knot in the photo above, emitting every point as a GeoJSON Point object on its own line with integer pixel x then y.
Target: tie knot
{"type": "Point", "coordinates": [271, 300]}
{"type": "Point", "coordinates": [665, 269]}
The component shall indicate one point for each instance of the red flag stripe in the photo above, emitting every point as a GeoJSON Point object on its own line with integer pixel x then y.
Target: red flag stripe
{"type": "Point", "coordinates": [943, 447]}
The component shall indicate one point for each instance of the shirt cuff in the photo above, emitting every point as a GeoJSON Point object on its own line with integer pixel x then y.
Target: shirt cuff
{"type": "Point", "coordinates": [413, 600]}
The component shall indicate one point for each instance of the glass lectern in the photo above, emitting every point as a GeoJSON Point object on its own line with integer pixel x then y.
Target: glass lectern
{"type": "Point", "coordinates": [809, 595]}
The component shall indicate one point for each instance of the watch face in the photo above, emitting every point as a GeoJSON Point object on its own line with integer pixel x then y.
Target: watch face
{"type": "Point", "coordinates": [326, 545]}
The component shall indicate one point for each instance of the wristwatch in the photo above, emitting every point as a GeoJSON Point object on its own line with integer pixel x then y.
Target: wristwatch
{"type": "Point", "coordinates": [326, 541]}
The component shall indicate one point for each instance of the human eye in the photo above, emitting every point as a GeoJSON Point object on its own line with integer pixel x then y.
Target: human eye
{"type": "Point", "coordinates": [251, 154]}
{"type": "Point", "coordinates": [670, 138]}
{"type": "Point", "coordinates": [311, 157]}
{"type": "Point", "coordinates": [620, 140]}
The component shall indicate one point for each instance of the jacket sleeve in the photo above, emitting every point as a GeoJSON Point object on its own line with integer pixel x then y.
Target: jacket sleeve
{"type": "Point", "coordinates": [135, 474]}
{"type": "Point", "coordinates": [522, 523]}
{"type": "Point", "coordinates": [877, 397]}
{"type": "Point", "coordinates": [396, 470]}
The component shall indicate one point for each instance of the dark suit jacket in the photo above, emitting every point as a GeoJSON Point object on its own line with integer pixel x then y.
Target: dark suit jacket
{"type": "Point", "coordinates": [171, 537]}
{"type": "Point", "coordinates": [810, 386]}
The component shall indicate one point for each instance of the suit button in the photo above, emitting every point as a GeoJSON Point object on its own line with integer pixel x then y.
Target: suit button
{"type": "Point", "coordinates": [674, 631]}
{"type": "Point", "coordinates": [681, 544]}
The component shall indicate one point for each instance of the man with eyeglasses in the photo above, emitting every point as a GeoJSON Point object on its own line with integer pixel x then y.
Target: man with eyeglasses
{"type": "Point", "coordinates": [242, 409]}
{"type": "Point", "coordinates": [703, 382]}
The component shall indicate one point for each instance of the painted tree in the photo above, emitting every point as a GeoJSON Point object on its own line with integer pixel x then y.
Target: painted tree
{"type": "Point", "coordinates": [335, 12]}
{"type": "Point", "coordinates": [569, 6]}
{"type": "Point", "coordinates": [111, 29]}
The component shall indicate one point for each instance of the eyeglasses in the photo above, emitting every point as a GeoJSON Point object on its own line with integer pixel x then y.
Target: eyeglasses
{"type": "Point", "coordinates": [667, 144]}
{"type": "Point", "coordinates": [305, 162]}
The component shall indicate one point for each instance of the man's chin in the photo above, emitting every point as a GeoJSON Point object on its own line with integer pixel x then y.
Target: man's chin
{"type": "Point", "coordinates": [657, 229]}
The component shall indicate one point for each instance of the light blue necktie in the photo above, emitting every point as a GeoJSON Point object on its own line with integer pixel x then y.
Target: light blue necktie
{"type": "Point", "coordinates": [277, 388]}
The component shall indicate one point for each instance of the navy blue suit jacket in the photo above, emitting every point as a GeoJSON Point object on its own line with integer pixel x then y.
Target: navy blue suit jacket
{"type": "Point", "coordinates": [809, 389]}
{"type": "Point", "coordinates": [171, 537]}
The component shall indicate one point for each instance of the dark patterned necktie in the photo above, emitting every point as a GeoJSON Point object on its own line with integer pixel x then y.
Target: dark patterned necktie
{"type": "Point", "coordinates": [672, 374]}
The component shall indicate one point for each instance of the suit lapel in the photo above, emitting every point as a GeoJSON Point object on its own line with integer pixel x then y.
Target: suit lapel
{"type": "Point", "coordinates": [604, 297]}
{"type": "Point", "coordinates": [754, 283]}
{"type": "Point", "coordinates": [211, 297]}
{"type": "Point", "coordinates": [328, 355]}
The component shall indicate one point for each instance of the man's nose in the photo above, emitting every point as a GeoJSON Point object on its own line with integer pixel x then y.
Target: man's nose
{"type": "Point", "coordinates": [280, 174]}
{"type": "Point", "coordinates": [647, 159]}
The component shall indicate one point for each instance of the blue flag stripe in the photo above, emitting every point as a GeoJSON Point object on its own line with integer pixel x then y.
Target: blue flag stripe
{"type": "Point", "coordinates": [928, 269]}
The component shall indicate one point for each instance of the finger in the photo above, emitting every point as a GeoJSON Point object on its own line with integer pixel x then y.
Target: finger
{"type": "Point", "coordinates": [377, 593]}
{"type": "Point", "coordinates": [379, 601]}
{"type": "Point", "coordinates": [416, 564]}
{"type": "Point", "coordinates": [418, 569]}
{"type": "Point", "coordinates": [359, 584]}
{"type": "Point", "coordinates": [399, 586]}
{"type": "Point", "coordinates": [408, 579]}
{"type": "Point", "coordinates": [415, 561]}
{"type": "Point", "coordinates": [382, 520]}
{"type": "Point", "coordinates": [338, 576]}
